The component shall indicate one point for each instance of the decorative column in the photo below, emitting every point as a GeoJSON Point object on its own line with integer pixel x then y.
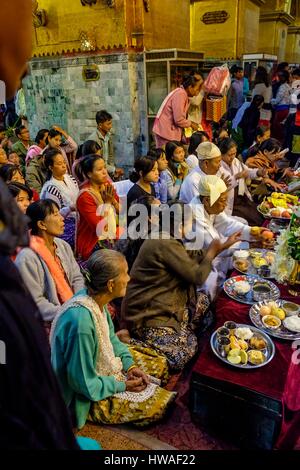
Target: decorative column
{"type": "Point", "coordinates": [274, 25]}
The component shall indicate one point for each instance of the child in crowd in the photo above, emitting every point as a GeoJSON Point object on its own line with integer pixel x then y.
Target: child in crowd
{"type": "Point", "coordinates": [177, 168]}
{"type": "Point", "coordinates": [161, 187]}
{"type": "Point", "coordinates": [145, 174]}
{"type": "Point", "coordinates": [196, 139]}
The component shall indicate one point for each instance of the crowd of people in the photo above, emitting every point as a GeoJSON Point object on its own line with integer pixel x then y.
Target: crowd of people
{"type": "Point", "coordinates": [123, 299]}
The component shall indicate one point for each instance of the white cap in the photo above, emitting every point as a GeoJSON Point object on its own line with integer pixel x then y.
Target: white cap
{"type": "Point", "coordinates": [212, 186]}
{"type": "Point", "coordinates": [207, 151]}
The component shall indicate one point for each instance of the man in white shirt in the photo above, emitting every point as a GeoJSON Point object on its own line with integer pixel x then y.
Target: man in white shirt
{"type": "Point", "coordinates": [209, 157]}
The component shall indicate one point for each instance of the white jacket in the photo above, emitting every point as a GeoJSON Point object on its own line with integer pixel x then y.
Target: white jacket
{"type": "Point", "coordinates": [236, 168]}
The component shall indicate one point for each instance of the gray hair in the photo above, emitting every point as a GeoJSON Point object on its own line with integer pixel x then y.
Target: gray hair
{"type": "Point", "coordinates": [102, 266]}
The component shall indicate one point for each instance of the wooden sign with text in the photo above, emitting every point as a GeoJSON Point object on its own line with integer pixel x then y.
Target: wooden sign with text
{"type": "Point", "coordinates": [213, 17]}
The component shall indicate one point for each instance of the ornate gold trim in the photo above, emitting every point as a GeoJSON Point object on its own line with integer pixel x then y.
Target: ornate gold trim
{"type": "Point", "coordinates": [276, 16]}
{"type": "Point", "coordinates": [259, 3]}
{"type": "Point", "coordinates": [293, 30]}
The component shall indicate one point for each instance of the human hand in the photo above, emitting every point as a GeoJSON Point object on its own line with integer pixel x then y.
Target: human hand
{"type": "Point", "coordinates": [242, 175]}
{"type": "Point", "coordinates": [289, 172]}
{"type": "Point", "coordinates": [108, 194]}
{"type": "Point", "coordinates": [263, 172]}
{"type": "Point", "coordinates": [4, 142]}
{"type": "Point", "coordinates": [136, 373]}
{"type": "Point", "coordinates": [234, 238]}
{"type": "Point", "coordinates": [194, 126]}
{"type": "Point", "coordinates": [135, 385]}
{"type": "Point", "coordinates": [227, 180]}
{"type": "Point", "coordinates": [59, 129]}
{"type": "Point", "coordinates": [276, 186]}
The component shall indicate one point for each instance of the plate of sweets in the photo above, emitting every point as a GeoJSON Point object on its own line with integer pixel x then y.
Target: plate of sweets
{"type": "Point", "coordinates": [249, 289]}
{"type": "Point", "coordinates": [278, 318]}
{"type": "Point", "coordinates": [258, 261]}
{"type": "Point", "coordinates": [242, 346]}
{"type": "Point", "coordinates": [278, 206]}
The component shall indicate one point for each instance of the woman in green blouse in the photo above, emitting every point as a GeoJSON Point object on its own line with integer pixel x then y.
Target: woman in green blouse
{"type": "Point", "coordinates": [100, 377]}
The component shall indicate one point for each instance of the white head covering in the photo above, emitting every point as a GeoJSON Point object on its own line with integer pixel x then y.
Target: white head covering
{"type": "Point", "coordinates": [207, 151]}
{"type": "Point", "coordinates": [213, 186]}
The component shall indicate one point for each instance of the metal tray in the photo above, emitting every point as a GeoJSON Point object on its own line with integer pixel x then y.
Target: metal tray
{"type": "Point", "coordinates": [269, 216]}
{"type": "Point", "coordinates": [281, 332]}
{"type": "Point", "coordinates": [268, 352]}
{"type": "Point", "coordinates": [248, 298]}
{"type": "Point", "coordinates": [252, 270]}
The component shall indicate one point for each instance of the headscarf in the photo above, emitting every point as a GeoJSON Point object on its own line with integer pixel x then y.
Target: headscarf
{"type": "Point", "coordinates": [212, 186]}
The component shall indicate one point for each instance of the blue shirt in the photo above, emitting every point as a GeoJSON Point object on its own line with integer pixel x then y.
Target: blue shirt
{"type": "Point", "coordinates": [161, 188]}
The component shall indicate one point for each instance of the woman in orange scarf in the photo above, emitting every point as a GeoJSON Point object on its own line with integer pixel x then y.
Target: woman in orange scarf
{"type": "Point", "coordinates": [48, 267]}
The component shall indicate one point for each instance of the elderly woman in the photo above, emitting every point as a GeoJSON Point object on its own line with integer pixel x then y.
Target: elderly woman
{"type": "Point", "coordinates": [162, 289]}
{"type": "Point", "coordinates": [48, 266]}
{"type": "Point", "coordinates": [210, 222]}
{"type": "Point", "coordinates": [239, 202]}
{"type": "Point", "coordinates": [99, 376]}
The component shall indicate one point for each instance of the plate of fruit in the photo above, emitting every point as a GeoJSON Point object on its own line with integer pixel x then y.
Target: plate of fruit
{"type": "Point", "coordinates": [278, 206]}
{"type": "Point", "coordinates": [275, 317]}
{"type": "Point", "coordinates": [244, 347]}
{"type": "Point", "coordinates": [258, 261]}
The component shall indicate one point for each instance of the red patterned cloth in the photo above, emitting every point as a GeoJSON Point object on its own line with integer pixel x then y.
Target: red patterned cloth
{"type": "Point", "coordinates": [280, 379]}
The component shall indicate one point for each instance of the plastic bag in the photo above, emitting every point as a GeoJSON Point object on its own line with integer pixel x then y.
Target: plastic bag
{"type": "Point", "coordinates": [218, 81]}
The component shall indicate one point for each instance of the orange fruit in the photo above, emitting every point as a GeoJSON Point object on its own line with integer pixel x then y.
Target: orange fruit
{"type": "Point", "coordinates": [267, 235]}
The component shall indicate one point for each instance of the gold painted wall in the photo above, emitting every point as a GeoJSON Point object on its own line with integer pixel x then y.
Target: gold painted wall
{"type": "Point", "coordinates": [237, 36]}
{"type": "Point", "coordinates": [248, 30]}
{"type": "Point", "coordinates": [272, 38]}
{"type": "Point", "coordinates": [167, 24]}
{"type": "Point", "coordinates": [67, 18]}
{"type": "Point", "coordinates": [293, 48]}
{"type": "Point", "coordinates": [215, 40]}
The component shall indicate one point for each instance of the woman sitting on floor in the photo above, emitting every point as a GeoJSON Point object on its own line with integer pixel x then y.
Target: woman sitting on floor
{"type": "Point", "coordinates": [210, 222]}
{"type": "Point", "coordinates": [98, 207]}
{"type": "Point", "coordinates": [239, 202]}
{"type": "Point", "coordinates": [63, 189]}
{"type": "Point", "coordinates": [99, 376]}
{"type": "Point", "coordinates": [22, 194]}
{"type": "Point", "coordinates": [48, 266]}
{"type": "Point", "coordinates": [162, 288]}
{"type": "Point", "coordinates": [144, 176]}
{"type": "Point", "coordinates": [268, 154]}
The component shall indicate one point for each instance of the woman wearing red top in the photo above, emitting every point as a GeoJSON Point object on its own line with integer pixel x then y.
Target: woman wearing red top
{"type": "Point", "coordinates": [97, 207]}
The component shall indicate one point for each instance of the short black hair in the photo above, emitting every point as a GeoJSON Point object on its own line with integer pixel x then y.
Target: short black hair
{"type": "Point", "coordinates": [7, 172]}
{"type": "Point", "coordinates": [142, 164]}
{"type": "Point", "coordinates": [296, 72]}
{"type": "Point", "coordinates": [89, 147]}
{"type": "Point", "coordinates": [15, 189]}
{"type": "Point", "coordinates": [102, 116]}
{"type": "Point", "coordinates": [19, 129]}
{"type": "Point", "coordinates": [38, 211]}
{"type": "Point", "coordinates": [40, 135]}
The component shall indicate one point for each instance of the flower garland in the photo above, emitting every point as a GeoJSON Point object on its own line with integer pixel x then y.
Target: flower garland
{"type": "Point", "coordinates": [287, 250]}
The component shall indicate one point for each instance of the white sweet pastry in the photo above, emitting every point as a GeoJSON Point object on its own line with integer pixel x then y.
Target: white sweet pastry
{"type": "Point", "coordinates": [242, 287]}
{"type": "Point", "coordinates": [241, 254]}
{"type": "Point", "coordinates": [292, 323]}
{"type": "Point", "coordinates": [243, 333]}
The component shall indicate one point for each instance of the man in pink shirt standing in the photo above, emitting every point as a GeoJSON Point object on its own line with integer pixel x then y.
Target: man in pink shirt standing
{"type": "Point", "coordinates": [171, 118]}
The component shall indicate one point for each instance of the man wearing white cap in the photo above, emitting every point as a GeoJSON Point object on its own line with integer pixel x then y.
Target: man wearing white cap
{"type": "Point", "coordinates": [209, 157]}
{"type": "Point", "coordinates": [211, 222]}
